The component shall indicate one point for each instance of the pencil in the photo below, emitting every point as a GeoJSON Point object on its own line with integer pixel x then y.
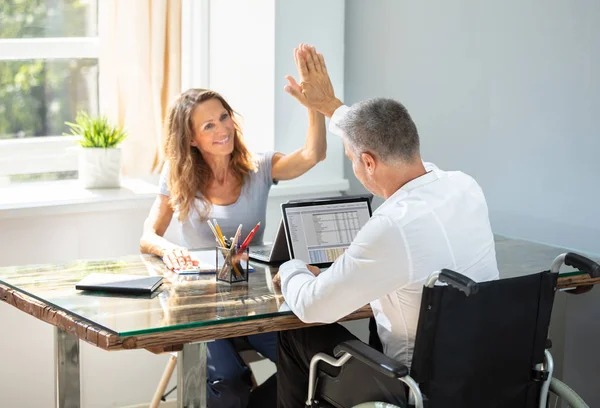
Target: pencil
{"type": "Point", "coordinates": [250, 236]}
{"type": "Point", "coordinates": [219, 232]}
{"type": "Point", "coordinates": [214, 231]}
{"type": "Point", "coordinates": [233, 245]}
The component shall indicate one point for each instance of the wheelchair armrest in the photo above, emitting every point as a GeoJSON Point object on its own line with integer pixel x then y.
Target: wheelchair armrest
{"type": "Point", "coordinates": [373, 358]}
{"type": "Point", "coordinates": [582, 263]}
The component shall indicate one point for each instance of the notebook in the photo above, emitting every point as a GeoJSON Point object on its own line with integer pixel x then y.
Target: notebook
{"type": "Point", "coordinates": [133, 284]}
{"type": "Point", "coordinates": [207, 265]}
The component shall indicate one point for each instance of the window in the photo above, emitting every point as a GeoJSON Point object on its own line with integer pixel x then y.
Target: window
{"type": "Point", "coordinates": [49, 53]}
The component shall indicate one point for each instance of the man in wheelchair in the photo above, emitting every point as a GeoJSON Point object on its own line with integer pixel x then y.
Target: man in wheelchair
{"type": "Point", "coordinates": [431, 219]}
{"type": "Point", "coordinates": [477, 342]}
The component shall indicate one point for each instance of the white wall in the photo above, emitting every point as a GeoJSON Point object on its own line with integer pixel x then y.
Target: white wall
{"type": "Point", "coordinates": [242, 64]}
{"type": "Point", "coordinates": [251, 52]}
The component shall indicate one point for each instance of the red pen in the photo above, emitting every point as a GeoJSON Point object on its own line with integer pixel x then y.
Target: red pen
{"type": "Point", "coordinates": [250, 236]}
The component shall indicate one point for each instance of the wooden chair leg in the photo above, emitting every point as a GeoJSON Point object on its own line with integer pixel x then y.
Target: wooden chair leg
{"type": "Point", "coordinates": [164, 381]}
{"type": "Point", "coordinates": [248, 358]}
{"type": "Point", "coordinates": [254, 384]}
{"type": "Point", "coordinates": [251, 356]}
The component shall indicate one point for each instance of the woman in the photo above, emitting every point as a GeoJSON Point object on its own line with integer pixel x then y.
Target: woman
{"type": "Point", "coordinates": [209, 174]}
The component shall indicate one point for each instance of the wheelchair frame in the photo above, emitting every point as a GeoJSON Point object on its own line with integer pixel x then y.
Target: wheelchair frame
{"type": "Point", "coordinates": [468, 286]}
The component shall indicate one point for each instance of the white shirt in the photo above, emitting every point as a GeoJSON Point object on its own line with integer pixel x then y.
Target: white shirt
{"type": "Point", "coordinates": [439, 220]}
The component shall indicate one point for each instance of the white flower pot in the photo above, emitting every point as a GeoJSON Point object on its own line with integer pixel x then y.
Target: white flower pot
{"type": "Point", "coordinates": [100, 167]}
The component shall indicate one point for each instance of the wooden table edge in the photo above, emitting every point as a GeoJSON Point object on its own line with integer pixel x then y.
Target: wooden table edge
{"type": "Point", "coordinates": [173, 340]}
{"type": "Point", "coordinates": [162, 342]}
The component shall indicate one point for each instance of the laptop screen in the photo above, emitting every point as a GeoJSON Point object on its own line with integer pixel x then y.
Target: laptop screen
{"type": "Point", "coordinates": [320, 232]}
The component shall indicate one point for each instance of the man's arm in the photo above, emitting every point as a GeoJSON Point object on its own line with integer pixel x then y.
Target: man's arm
{"type": "Point", "coordinates": [376, 263]}
{"type": "Point", "coordinates": [338, 115]}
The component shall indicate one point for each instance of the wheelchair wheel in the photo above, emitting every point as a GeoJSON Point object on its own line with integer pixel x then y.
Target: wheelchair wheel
{"type": "Point", "coordinates": [562, 393]}
{"type": "Point", "coordinates": [375, 405]}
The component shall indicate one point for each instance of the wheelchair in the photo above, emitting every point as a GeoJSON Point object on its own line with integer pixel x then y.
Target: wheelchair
{"type": "Point", "coordinates": [484, 347]}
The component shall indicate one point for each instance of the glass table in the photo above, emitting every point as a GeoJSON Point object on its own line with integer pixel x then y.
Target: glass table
{"type": "Point", "coordinates": [185, 312]}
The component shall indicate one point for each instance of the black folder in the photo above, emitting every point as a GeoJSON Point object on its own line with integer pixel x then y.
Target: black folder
{"type": "Point", "coordinates": [132, 284]}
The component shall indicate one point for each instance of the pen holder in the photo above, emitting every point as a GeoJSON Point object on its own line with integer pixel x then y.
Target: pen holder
{"type": "Point", "coordinates": [231, 270]}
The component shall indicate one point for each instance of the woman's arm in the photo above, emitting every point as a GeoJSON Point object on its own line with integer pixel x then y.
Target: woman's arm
{"type": "Point", "coordinates": [152, 241]}
{"type": "Point", "coordinates": [156, 224]}
{"type": "Point", "coordinates": [289, 166]}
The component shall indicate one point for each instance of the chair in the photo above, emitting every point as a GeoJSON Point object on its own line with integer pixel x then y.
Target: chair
{"type": "Point", "coordinates": [246, 352]}
{"type": "Point", "coordinates": [485, 347]}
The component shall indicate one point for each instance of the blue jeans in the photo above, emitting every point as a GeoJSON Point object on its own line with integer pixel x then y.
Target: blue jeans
{"type": "Point", "coordinates": [229, 381]}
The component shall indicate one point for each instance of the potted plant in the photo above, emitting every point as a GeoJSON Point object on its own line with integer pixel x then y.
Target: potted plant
{"type": "Point", "coordinates": [99, 156]}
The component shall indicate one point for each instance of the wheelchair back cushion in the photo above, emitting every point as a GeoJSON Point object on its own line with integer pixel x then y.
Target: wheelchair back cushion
{"type": "Point", "coordinates": [480, 351]}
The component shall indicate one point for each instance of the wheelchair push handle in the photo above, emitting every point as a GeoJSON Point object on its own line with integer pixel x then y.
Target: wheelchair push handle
{"type": "Point", "coordinates": [583, 264]}
{"type": "Point", "coordinates": [580, 262]}
{"type": "Point", "coordinates": [459, 281]}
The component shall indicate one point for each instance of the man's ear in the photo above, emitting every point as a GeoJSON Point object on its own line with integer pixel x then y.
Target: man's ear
{"type": "Point", "coordinates": [370, 163]}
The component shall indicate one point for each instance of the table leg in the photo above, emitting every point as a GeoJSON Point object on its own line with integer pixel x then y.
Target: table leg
{"type": "Point", "coordinates": [191, 376]}
{"type": "Point", "coordinates": [67, 390]}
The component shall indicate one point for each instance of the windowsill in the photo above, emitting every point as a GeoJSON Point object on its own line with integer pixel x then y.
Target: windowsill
{"type": "Point", "coordinates": [69, 197]}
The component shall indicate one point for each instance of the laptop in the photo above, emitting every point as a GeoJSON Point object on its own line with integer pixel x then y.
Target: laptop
{"type": "Point", "coordinates": [278, 251]}
{"type": "Point", "coordinates": [319, 231]}
{"type": "Point", "coordinates": [274, 252]}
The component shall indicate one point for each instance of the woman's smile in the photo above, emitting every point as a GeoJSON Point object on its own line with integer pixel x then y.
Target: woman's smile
{"type": "Point", "coordinates": [222, 141]}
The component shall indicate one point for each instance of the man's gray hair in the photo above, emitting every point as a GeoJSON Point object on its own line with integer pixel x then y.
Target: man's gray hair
{"type": "Point", "coordinates": [382, 127]}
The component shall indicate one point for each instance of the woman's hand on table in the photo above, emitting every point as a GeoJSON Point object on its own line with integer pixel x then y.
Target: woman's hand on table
{"type": "Point", "coordinates": [178, 258]}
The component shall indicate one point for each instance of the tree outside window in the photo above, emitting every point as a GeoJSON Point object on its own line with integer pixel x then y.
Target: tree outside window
{"type": "Point", "coordinates": [38, 95]}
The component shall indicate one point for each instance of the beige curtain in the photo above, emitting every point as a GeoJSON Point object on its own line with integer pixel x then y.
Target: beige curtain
{"type": "Point", "coordinates": [140, 73]}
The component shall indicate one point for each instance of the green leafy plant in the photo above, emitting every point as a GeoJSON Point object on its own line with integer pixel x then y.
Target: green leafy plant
{"type": "Point", "coordinates": [96, 131]}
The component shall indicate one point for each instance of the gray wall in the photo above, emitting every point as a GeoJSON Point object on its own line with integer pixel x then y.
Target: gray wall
{"type": "Point", "coordinates": [508, 92]}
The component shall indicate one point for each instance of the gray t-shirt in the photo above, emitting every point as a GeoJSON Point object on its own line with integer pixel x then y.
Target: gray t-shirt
{"type": "Point", "coordinates": [249, 209]}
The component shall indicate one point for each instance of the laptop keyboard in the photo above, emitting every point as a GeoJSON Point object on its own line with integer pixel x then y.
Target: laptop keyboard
{"type": "Point", "coordinates": [264, 252]}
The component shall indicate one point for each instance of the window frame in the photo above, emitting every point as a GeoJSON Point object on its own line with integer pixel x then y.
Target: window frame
{"type": "Point", "coordinates": [51, 153]}
{"type": "Point", "coordinates": [195, 44]}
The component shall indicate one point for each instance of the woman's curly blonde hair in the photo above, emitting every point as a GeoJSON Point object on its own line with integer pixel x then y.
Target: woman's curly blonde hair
{"type": "Point", "coordinates": [189, 174]}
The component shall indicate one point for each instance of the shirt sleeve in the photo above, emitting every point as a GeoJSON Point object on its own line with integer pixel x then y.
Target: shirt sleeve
{"type": "Point", "coordinates": [264, 165]}
{"type": "Point", "coordinates": [376, 263]}
{"type": "Point", "coordinates": [163, 185]}
{"type": "Point", "coordinates": [336, 119]}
